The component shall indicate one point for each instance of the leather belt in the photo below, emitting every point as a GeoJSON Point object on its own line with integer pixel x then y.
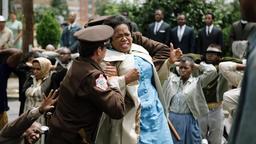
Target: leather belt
{"type": "Point", "coordinates": [214, 105]}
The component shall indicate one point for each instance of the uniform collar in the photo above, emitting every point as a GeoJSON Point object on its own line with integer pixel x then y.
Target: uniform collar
{"type": "Point", "coordinates": [90, 61]}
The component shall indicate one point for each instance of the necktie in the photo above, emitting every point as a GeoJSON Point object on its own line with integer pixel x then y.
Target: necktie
{"type": "Point", "coordinates": [179, 33]}
{"type": "Point", "coordinates": [208, 31]}
{"type": "Point", "coordinates": [156, 28]}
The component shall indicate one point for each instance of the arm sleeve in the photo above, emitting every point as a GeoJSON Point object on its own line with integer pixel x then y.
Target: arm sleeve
{"type": "Point", "coordinates": [209, 73]}
{"type": "Point", "coordinates": [106, 98]}
{"type": "Point", "coordinates": [21, 124]}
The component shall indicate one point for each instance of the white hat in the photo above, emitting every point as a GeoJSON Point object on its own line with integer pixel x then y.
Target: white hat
{"type": "Point", "coordinates": [2, 19]}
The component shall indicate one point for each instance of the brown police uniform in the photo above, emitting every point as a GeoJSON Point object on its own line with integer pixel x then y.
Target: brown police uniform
{"type": "Point", "coordinates": [84, 94]}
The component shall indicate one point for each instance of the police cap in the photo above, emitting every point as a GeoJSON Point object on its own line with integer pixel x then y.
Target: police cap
{"type": "Point", "coordinates": [95, 34]}
{"type": "Point", "coordinates": [98, 20]}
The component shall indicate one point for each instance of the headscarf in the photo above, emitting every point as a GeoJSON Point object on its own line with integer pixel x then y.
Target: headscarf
{"type": "Point", "coordinates": [45, 65]}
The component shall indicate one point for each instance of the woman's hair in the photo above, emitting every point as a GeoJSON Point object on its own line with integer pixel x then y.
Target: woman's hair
{"type": "Point", "coordinates": [87, 49]}
{"type": "Point", "coordinates": [187, 59]}
{"type": "Point", "coordinates": [118, 20]}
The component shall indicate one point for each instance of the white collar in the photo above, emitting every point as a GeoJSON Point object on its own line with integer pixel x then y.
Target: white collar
{"type": "Point", "coordinates": [244, 22]}
{"type": "Point", "coordinates": [182, 27]}
{"type": "Point", "coordinates": [211, 26]}
{"type": "Point", "coordinates": [159, 22]}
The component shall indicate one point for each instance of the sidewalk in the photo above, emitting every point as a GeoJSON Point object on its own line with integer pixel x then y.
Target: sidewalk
{"type": "Point", "coordinates": [13, 88]}
{"type": "Point", "coordinates": [13, 95]}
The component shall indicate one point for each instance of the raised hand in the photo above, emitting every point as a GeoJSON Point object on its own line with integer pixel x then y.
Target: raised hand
{"type": "Point", "coordinates": [48, 102]}
{"type": "Point", "coordinates": [110, 70]}
{"type": "Point", "coordinates": [175, 54]}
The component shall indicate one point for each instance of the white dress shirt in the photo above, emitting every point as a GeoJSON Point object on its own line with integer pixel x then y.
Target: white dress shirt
{"type": "Point", "coordinates": [157, 26]}
{"type": "Point", "coordinates": [180, 31]}
{"type": "Point", "coordinates": [209, 29]}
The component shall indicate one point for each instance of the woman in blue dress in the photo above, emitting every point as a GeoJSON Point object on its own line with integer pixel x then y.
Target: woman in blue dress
{"type": "Point", "coordinates": [145, 121]}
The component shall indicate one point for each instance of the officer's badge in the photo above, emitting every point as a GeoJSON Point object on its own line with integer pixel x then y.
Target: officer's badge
{"type": "Point", "coordinates": [101, 82]}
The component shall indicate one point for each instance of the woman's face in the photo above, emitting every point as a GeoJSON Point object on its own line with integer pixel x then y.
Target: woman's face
{"type": "Point", "coordinates": [122, 39]}
{"type": "Point", "coordinates": [185, 70]}
{"type": "Point", "coordinates": [36, 70]}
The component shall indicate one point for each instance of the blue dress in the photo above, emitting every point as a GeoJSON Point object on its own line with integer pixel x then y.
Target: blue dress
{"type": "Point", "coordinates": [153, 124]}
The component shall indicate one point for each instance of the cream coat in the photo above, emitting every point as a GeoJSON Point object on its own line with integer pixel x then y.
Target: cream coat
{"type": "Point", "coordinates": [126, 130]}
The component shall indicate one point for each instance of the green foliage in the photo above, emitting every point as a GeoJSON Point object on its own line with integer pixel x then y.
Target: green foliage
{"type": "Point", "coordinates": [60, 8]}
{"type": "Point", "coordinates": [39, 13]}
{"type": "Point", "coordinates": [113, 8]}
{"type": "Point", "coordinates": [48, 30]}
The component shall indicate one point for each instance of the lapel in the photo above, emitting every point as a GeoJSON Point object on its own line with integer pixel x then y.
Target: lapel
{"type": "Point", "coordinates": [248, 27]}
{"type": "Point", "coordinates": [185, 31]}
{"type": "Point", "coordinates": [161, 27]}
{"type": "Point", "coordinates": [153, 27]}
{"type": "Point", "coordinates": [176, 34]}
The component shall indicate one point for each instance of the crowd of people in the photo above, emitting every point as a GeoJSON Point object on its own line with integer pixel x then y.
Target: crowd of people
{"type": "Point", "coordinates": [109, 84]}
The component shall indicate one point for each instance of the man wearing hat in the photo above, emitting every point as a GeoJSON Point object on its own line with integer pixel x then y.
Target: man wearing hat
{"type": "Point", "coordinates": [6, 35]}
{"type": "Point", "coordinates": [85, 92]}
{"type": "Point", "coordinates": [212, 124]}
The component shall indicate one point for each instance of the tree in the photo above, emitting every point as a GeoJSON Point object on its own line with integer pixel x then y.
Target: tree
{"type": "Point", "coordinates": [48, 30]}
{"type": "Point", "coordinates": [60, 8]}
{"type": "Point", "coordinates": [27, 6]}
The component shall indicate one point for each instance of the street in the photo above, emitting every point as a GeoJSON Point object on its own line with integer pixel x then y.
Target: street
{"type": "Point", "coordinates": [13, 100]}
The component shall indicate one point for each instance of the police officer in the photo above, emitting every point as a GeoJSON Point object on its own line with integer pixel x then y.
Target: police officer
{"type": "Point", "coordinates": [85, 92]}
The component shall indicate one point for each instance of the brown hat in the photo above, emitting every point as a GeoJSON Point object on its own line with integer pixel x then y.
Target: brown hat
{"type": "Point", "coordinates": [94, 34]}
{"type": "Point", "coordinates": [98, 20]}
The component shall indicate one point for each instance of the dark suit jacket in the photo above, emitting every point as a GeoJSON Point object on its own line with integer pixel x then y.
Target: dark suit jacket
{"type": "Point", "coordinates": [162, 33]}
{"type": "Point", "coordinates": [187, 43]}
{"type": "Point", "coordinates": [12, 132]}
{"type": "Point", "coordinates": [215, 37]}
{"type": "Point", "coordinates": [68, 40]}
{"type": "Point", "coordinates": [240, 32]}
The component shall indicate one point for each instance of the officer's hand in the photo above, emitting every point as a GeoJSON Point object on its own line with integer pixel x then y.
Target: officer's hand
{"type": "Point", "coordinates": [110, 70]}
{"type": "Point", "coordinates": [132, 76]}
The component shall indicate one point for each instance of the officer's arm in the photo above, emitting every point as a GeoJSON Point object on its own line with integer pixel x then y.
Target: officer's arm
{"type": "Point", "coordinates": [108, 99]}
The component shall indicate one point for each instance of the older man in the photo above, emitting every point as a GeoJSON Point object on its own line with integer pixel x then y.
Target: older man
{"type": "Point", "coordinates": [67, 38]}
{"type": "Point", "coordinates": [6, 35]}
{"type": "Point", "coordinates": [24, 128]}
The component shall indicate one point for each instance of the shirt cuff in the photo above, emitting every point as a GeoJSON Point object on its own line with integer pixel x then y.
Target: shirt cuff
{"type": "Point", "coordinates": [34, 113]}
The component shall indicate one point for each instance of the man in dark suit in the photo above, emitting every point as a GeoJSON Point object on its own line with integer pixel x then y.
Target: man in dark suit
{"type": "Point", "coordinates": [240, 30]}
{"type": "Point", "coordinates": [67, 38]}
{"type": "Point", "coordinates": [209, 35]}
{"type": "Point", "coordinates": [158, 30]}
{"type": "Point", "coordinates": [182, 36]}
